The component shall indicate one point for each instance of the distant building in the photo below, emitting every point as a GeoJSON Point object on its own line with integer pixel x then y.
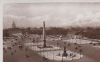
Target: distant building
{"type": "Point", "coordinates": [14, 29]}
{"type": "Point", "coordinates": [14, 25]}
{"type": "Point", "coordinates": [73, 36]}
{"type": "Point", "coordinates": [12, 32]}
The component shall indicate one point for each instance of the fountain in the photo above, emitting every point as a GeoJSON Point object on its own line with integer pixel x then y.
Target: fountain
{"type": "Point", "coordinates": [64, 51]}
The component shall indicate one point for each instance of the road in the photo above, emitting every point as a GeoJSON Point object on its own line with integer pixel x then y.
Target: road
{"type": "Point", "coordinates": [16, 54]}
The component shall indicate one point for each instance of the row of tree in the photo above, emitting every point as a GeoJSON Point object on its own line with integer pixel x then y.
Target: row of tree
{"type": "Point", "coordinates": [93, 33]}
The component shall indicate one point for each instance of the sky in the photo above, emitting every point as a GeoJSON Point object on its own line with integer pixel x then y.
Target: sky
{"type": "Point", "coordinates": [31, 1]}
{"type": "Point", "coordinates": [54, 14]}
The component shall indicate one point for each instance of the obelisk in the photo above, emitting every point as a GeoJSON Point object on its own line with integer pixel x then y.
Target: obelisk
{"type": "Point", "coordinates": [44, 35]}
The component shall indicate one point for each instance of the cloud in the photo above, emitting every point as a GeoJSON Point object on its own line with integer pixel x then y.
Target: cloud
{"type": "Point", "coordinates": [62, 15]}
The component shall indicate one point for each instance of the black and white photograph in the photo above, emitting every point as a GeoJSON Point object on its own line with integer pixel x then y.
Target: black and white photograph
{"type": "Point", "coordinates": [51, 32]}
